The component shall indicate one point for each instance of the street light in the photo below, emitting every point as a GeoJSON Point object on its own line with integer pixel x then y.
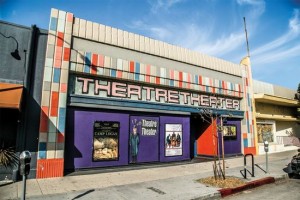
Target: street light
{"type": "Point", "coordinates": [15, 53]}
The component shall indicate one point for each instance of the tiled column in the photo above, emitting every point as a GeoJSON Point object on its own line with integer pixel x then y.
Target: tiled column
{"type": "Point", "coordinates": [50, 161]}
{"type": "Point", "coordinates": [249, 121]}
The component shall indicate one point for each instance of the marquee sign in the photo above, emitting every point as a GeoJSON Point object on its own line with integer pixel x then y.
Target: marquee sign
{"type": "Point", "coordinates": [114, 89]}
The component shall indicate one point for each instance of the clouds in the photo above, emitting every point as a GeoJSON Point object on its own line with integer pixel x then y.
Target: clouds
{"type": "Point", "coordinates": [257, 7]}
{"type": "Point", "coordinates": [283, 47]}
{"type": "Point", "coordinates": [158, 5]}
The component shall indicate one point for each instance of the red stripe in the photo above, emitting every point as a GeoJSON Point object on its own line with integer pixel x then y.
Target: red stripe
{"type": "Point", "coordinates": [60, 39]}
{"type": "Point", "coordinates": [54, 104]}
{"type": "Point", "coordinates": [157, 80]}
{"type": "Point", "coordinates": [180, 76]}
{"type": "Point", "coordinates": [131, 67]}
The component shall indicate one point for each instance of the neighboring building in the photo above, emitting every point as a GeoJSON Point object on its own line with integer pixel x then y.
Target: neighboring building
{"type": "Point", "coordinates": [22, 53]}
{"type": "Point", "coordinates": [276, 117]}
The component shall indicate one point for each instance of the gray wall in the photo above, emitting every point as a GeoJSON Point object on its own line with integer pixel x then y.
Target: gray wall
{"type": "Point", "coordinates": [274, 90]}
{"type": "Point", "coordinates": [12, 70]}
{"type": "Point", "coordinates": [127, 54]}
{"type": "Point", "coordinates": [28, 72]}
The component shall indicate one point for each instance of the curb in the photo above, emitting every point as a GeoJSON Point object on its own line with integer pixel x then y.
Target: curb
{"type": "Point", "coordinates": [250, 185]}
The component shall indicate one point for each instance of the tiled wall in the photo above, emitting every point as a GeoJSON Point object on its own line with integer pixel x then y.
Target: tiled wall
{"type": "Point", "coordinates": [248, 123]}
{"type": "Point", "coordinates": [54, 94]}
{"type": "Point", "coordinates": [97, 64]}
{"type": "Point", "coordinates": [109, 35]}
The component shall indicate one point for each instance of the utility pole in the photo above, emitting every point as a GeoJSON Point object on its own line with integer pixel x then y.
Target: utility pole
{"type": "Point", "coordinates": [248, 52]}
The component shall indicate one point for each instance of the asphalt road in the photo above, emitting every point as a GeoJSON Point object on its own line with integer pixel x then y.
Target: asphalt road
{"type": "Point", "coordinates": [286, 189]}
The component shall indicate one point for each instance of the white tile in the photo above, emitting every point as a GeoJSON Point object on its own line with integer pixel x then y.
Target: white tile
{"type": "Point", "coordinates": [114, 36]}
{"type": "Point", "coordinates": [108, 34]}
{"type": "Point", "coordinates": [95, 31]}
{"type": "Point", "coordinates": [101, 37]}
{"type": "Point", "coordinates": [62, 15]}
{"type": "Point", "coordinates": [82, 28]}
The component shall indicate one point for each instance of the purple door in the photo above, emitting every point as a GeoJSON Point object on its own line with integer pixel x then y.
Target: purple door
{"type": "Point", "coordinates": [145, 146]}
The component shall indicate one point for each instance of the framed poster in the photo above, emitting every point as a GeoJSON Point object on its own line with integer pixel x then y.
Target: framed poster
{"type": "Point", "coordinates": [265, 132]}
{"type": "Point", "coordinates": [106, 141]}
{"type": "Point", "coordinates": [229, 132]}
{"type": "Point", "coordinates": [173, 140]}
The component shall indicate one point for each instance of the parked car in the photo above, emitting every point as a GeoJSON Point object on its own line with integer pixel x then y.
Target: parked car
{"type": "Point", "coordinates": [295, 165]}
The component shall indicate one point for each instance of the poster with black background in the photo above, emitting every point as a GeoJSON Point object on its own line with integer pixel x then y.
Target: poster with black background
{"type": "Point", "coordinates": [149, 127]}
{"type": "Point", "coordinates": [106, 141]}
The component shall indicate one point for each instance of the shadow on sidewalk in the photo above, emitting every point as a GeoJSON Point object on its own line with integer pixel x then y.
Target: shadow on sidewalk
{"type": "Point", "coordinates": [83, 194]}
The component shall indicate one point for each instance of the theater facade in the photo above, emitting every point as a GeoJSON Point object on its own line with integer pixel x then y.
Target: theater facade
{"type": "Point", "coordinates": [115, 98]}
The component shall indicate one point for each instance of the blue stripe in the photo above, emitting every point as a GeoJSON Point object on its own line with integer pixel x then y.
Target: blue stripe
{"type": "Point", "coordinates": [245, 142]}
{"type": "Point", "coordinates": [137, 67]}
{"type": "Point", "coordinates": [56, 75]}
{"type": "Point", "coordinates": [62, 120]}
{"type": "Point", "coordinates": [113, 73]}
{"type": "Point", "coordinates": [53, 23]}
{"type": "Point", "coordinates": [171, 82]}
{"type": "Point", "coordinates": [87, 62]}
{"type": "Point", "coordinates": [196, 79]}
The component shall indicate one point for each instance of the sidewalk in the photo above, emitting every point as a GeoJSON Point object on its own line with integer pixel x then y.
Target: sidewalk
{"type": "Point", "coordinates": [171, 182]}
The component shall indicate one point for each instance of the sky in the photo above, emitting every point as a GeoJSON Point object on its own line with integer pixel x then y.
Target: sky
{"type": "Point", "coordinates": [213, 27]}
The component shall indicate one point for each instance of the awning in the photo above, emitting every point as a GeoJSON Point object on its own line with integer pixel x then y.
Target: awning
{"type": "Point", "coordinates": [10, 95]}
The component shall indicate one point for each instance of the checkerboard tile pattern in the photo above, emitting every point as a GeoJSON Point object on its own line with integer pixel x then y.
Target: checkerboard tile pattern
{"type": "Point", "coordinates": [248, 123]}
{"type": "Point", "coordinates": [102, 65]}
{"type": "Point", "coordinates": [54, 92]}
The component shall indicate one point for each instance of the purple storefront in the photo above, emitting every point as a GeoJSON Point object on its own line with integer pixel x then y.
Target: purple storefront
{"type": "Point", "coordinates": [151, 129]}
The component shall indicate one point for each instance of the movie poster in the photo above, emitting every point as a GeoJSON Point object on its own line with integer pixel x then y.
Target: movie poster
{"type": "Point", "coordinates": [106, 141]}
{"type": "Point", "coordinates": [265, 132]}
{"type": "Point", "coordinates": [173, 140]}
{"type": "Point", "coordinates": [229, 132]}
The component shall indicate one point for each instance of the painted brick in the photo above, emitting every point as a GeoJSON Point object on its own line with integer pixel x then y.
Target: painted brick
{"type": "Point", "coordinates": [46, 86]}
{"type": "Point", "coordinates": [47, 74]}
{"type": "Point", "coordinates": [82, 28]}
{"type": "Point", "coordinates": [108, 34]}
{"type": "Point", "coordinates": [89, 30]}
{"type": "Point", "coordinates": [62, 100]}
{"type": "Point", "coordinates": [107, 61]}
{"type": "Point", "coordinates": [59, 39]}
{"type": "Point", "coordinates": [56, 75]}
{"type": "Point", "coordinates": [43, 137]}
{"type": "Point", "coordinates": [67, 40]}
{"type": "Point", "coordinates": [45, 98]}
{"type": "Point", "coordinates": [68, 28]}
{"type": "Point", "coordinates": [147, 45]}
{"type": "Point", "coordinates": [136, 42]}
{"type": "Point", "coordinates": [50, 51]}
{"type": "Point", "coordinates": [53, 24]}
{"type": "Point", "coordinates": [76, 27]}
{"type": "Point", "coordinates": [65, 65]}
{"type": "Point", "coordinates": [126, 39]}
{"type": "Point", "coordinates": [62, 120]}
{"type": "Point", "coordinates": [54, 104]}
{"type": "Point", "coordinates": [114, 36]}
{"type": "Point", "coordinates": [61, 25]}
{"type": "Point", "coordinates": [101, 37]}
{"type": "Point", "coordinates": [44, 119]}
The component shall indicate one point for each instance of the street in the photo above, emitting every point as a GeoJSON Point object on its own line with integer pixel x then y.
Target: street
{"type": "Point", "coordinates": [286, 189]}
